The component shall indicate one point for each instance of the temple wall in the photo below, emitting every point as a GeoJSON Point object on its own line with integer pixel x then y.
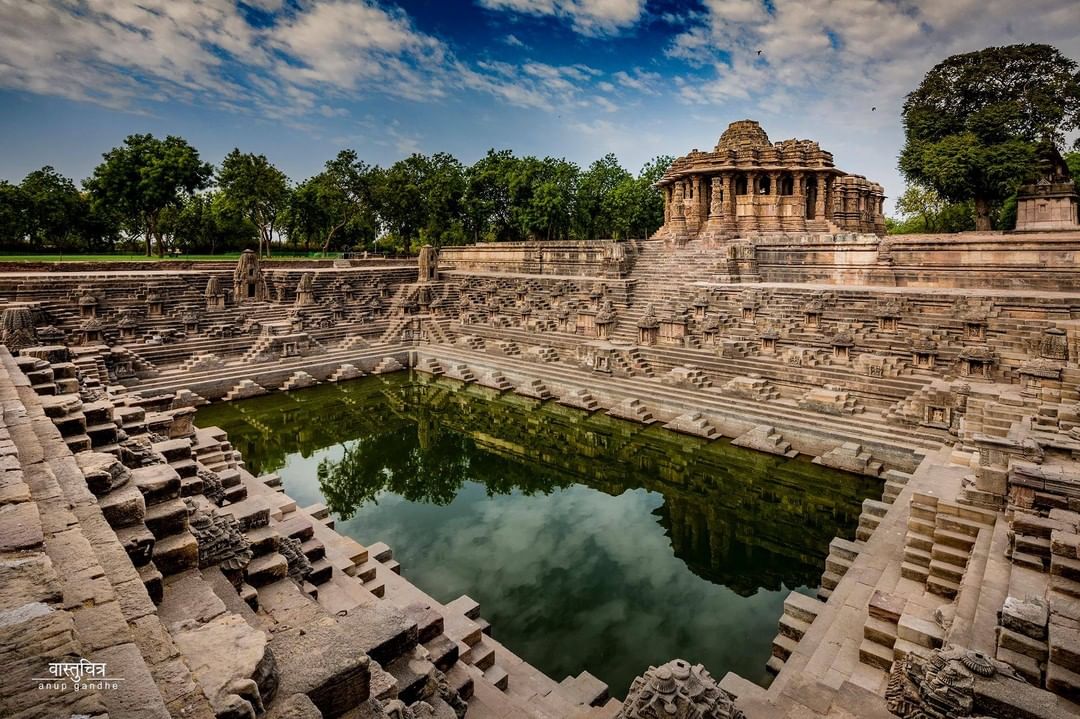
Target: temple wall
{"type": "Point", "coordinates": [976, 260]}
{"type": "Point", "coordinates": [577, 258]}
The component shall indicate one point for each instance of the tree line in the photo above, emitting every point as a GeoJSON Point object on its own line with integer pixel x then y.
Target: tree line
{"type": "Point", "coordinates": [158, 194]}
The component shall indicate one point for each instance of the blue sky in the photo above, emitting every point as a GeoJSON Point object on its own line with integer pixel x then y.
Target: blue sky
{"type": "Point", "coordinates": [297, 80]}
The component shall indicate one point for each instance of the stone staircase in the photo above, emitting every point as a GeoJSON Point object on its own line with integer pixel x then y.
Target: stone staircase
{"type": "Point", "coordinates": [800, 611]}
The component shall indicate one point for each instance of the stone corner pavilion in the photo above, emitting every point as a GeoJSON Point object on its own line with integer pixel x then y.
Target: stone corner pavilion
{"type": "Point", "coordinates": [749, 185]}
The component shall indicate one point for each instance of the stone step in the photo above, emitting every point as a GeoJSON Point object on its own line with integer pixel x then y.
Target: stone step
{"type": "Point", "coordinates": [951, 555]}
{"type": "Point", "coordinates": [783, 646]}
{"type": "Point", "coordinates": [412, 672]}
{"type": "Point", "coordinates": [920, 631]}
{"type": "Point", "coordinates": [266, 569]}
{"type": "Point", "coordinates": [497, 677]}
{"type": "Point", "coordinates": [917, 556]}
{"type": "Point", "coordinates": [829, 580]}
{"type": "Point", "coordinates": [584, 689]}
{"type": "Point", "coordinates": [880, 631]}
{"type": "Point", "coordinates": [442, 651]}
{"type": "Point", "coordinates": [167, 517]}
{"type": "Point", "coordinates": [321, 571]}
{"type": "Point", "coordinates": [480, 655]}
{"type": "Point", "coordinates": [873, 654]}
{"type": "Point", "coordinates": [464, 605]}
{"type": "Point", "coordinates": [918, 541]}
{"type": "Point", "coordinates": [176, 553]}
{"type": "Point", "coordinates": [942, 586]}
{"type": "Point", "coordinates": [946, 570]}
{"type": "Point", "coordinates": [802, 607]}
{"type": "Point", "coordinates": [791, 627]}
{"type": "Point", "coordinates": [957, 540]}
{"type": "Point", "coordinates": [915, 572]}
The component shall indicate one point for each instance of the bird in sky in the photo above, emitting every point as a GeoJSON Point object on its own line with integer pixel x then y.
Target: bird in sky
{"type": "Point", "coordinates": [759, 52]}
{"type": "Point", "coordinates": [873, 109]}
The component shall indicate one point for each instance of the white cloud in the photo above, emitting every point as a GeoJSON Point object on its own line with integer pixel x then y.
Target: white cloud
{"type": "Point", "coordinates": [312, 58]}
{"type": "Point", "coordinates": [588, 17]}
{"type": "Point", "coordinates": [649, 83]}
{"type": "Point", "coordinates": [855, 53]}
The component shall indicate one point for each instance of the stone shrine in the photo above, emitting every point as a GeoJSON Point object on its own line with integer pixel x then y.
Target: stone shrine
{"type": "Point", "coordinates": [748, 185]}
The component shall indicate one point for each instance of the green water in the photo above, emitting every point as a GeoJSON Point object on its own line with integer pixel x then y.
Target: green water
{"type": "Point", "coordinates": [589, 542]}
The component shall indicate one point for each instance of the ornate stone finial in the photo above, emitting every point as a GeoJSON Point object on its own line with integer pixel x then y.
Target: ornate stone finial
{"type": "Point", "coordinates": [213, 286]}
{"type": "Point", "coordinates": [648, 320]}
{"type": "Point", "coordinates": [942, 683]}
{"type": "Point", "coordinates": [248, 282]}
{"type": "Point", "coordinates": [17, 327]}
{"type": "Point", "coordinates": [606, 315]}
{"type": "Point", "coordinates": [299, 565]}
{"type": "Point", "coordinates": [678, 690]}
{"type": "Point", "coordinates": [219, 538]}
{"type": "Point", "coordinates": [842, 339]}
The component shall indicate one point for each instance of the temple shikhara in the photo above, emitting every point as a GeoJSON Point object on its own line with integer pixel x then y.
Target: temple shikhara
{"type": "Point", "coordinates": [749, 185]}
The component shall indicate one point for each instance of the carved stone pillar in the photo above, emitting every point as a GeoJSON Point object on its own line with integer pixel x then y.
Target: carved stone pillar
{"type": "Point", "coordinates": [729, 202]}
{"type": "Point", "coordinates": [769, 219]}
{"type": "Point", "coordinates": [824, 185]}
{"type": "Point", "coordinates": [716, 204]}
{"type": "Point", "coordinates": [797, 220]}
{"type": "Point", "coordinates": [715, 226]}
{"type": "Point", "coordinates": [749, 221]}
{"type": "Point", "coordinates": [677, 233]}
{"type": "Point", "coordinates": [695, 215]}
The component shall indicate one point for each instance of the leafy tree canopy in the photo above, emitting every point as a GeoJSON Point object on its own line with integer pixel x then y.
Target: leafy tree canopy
{"type": "Point", "coordinates": [973, 125]}
{"type": "Point", "coordinates": [139, 180]}
{"type": "Point", "coordinates": [252, 187]}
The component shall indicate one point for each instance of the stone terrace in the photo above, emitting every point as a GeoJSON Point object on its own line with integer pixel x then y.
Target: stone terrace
{"type": "Point", "coordinates": [946, 366]}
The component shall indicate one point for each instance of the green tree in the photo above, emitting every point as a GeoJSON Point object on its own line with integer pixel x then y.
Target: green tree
{"type": "Point", "coordinates": [922, 203]}
{"type": "Point", "coordinates": [13, 216]}
{"type": "Point", "coordinates": [973, 124]}
{"type": "Point", "coordinates": [652, 210]}
{"type": "Point", "coordinates": [596, 205]}
{"type": "Point", "coordinates": [1072, 160]}
{"type": "Point", "coordinates": [487, 202]}
{"type": "Point", "coordinates": [398, 199]}
{"type": "Point", "coordinates": [206, 224]}
{"type": "Point", "coordinates": [442, 191]}
{"type": "Point", "coordinates": [254, 188]}
{"type": "Point", "coordinates": [54, 209]}
{"type": "Point", "coordinates": [343, 192]}
{"type": "Point", "coordinates": [137, 181]}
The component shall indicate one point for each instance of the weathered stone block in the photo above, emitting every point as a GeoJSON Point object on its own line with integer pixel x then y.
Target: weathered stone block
{"type": "Point", "coordinates": [20, 527]}
{"type": "Point", "coordinates": [1026, 616]}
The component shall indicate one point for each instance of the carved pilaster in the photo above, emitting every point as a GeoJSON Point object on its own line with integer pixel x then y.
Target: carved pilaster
{"type": "Point", "coordinates": [769, 210]}
{"type": "Point", "coordinates": [729, 221]}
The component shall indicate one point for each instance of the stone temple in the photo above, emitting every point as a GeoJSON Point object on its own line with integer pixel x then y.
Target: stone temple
{"type": "Point", "coordinates": [748, 185]}
{"type": "Point", "coordinates": [770, 311]}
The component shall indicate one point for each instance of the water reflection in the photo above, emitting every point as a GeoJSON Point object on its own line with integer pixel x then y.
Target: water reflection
{"type": "Point", "coordinates": [591, 543]}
